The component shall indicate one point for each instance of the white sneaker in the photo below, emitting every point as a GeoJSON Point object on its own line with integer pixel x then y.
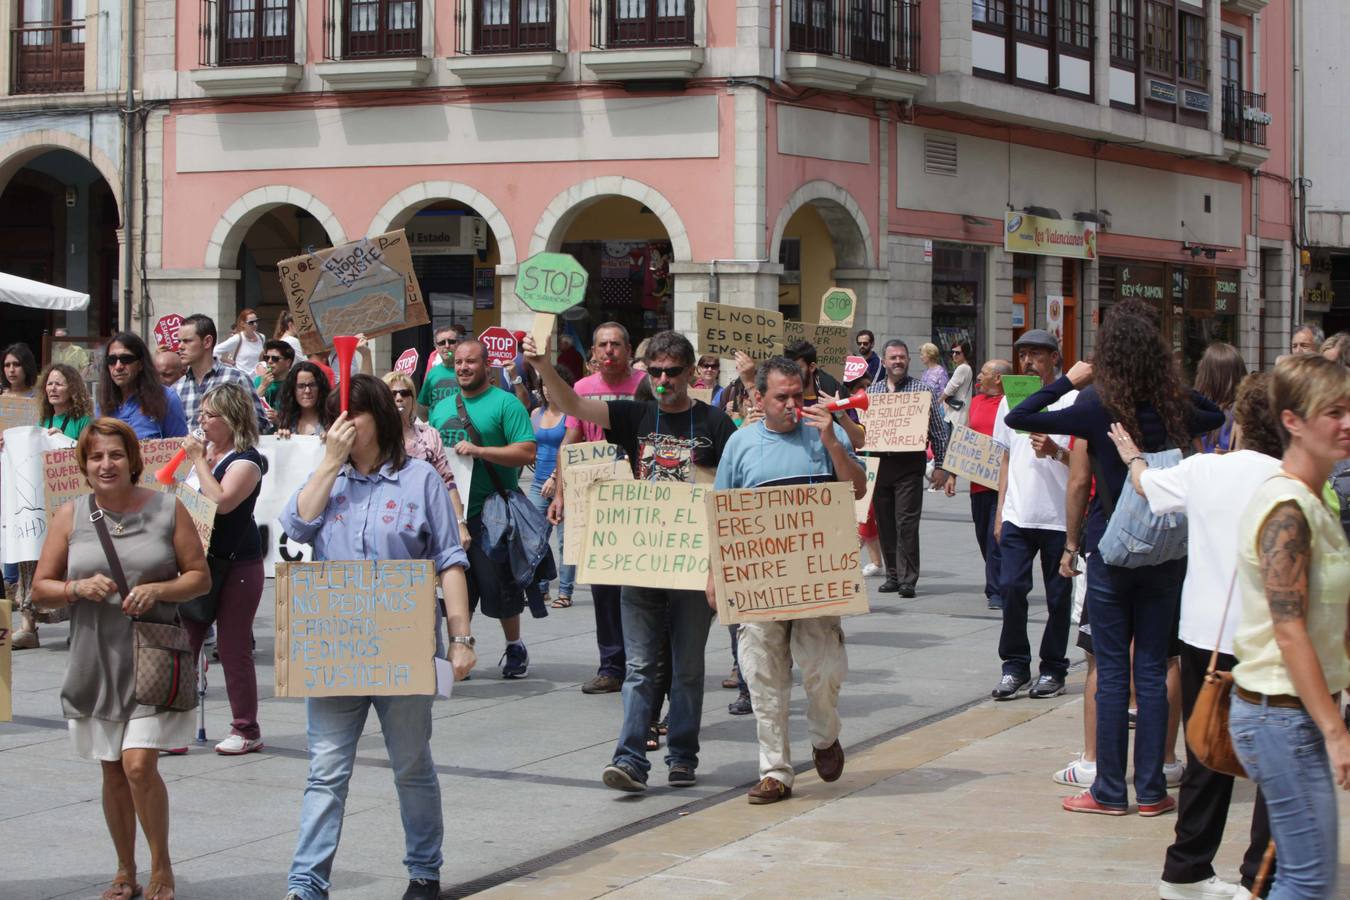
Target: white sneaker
{"type": "Point", "coordinates": [238, 745]}
{"type": "Point", "coordinates": [1212, 889]}
{"type": "Point", "coordinates": [871, 569]}
{"type": "Point", "coordinates": [210, 639]}
{"type": "Point", "coordinates": [1079, 773]}
{"type": "Point", "coordinates": [1173, 771]}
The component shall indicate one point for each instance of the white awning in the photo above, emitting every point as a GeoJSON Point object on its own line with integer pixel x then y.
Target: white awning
{"type": "Point", "coordinates": [35, 294]}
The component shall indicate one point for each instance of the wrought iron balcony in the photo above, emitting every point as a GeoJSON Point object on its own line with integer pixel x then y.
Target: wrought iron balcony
{"type": "Point", "coordinates": [1244, 115]}
{"type": "Point", "coordinates": [48, 59]}
{"type": "Point", "coordinates": [877, 32]}
{"type": "Point", "coordinates": [641, 23]}
{"type": "Point", "coordinates": [505, 26]}
{"type": "Point", "coordinates": [246, 32]}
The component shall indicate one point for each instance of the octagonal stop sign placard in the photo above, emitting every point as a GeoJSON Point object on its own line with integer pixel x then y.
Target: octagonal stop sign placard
{"type": "Point", "coordinates": [500, 345]}
{"type": "Point", "coordinates": [551, 282]}
{"type": "Point", "coordinates": [837, 307]}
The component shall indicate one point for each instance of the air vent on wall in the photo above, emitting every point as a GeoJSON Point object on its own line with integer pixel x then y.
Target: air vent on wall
{"type": "Point", "coordinates": [939, 155]}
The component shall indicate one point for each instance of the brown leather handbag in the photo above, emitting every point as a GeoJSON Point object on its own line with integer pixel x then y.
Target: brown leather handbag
{"type": "Point", "coordinates": [1207, 728]}
{"type": "Point", "coordinates": [166, 669]}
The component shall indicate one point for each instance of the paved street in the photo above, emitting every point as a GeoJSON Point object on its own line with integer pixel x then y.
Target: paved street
{"type": "Point", "coordinates": [519, 760]}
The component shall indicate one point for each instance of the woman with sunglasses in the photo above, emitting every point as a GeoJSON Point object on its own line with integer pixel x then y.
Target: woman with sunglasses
{"type": "Point", "coordinates": [956, 395]}
{"type": "Point", "coordinates": [421, 441]}
{"type": "Point", "coordinates": [302, 405]}
{"type": "Point", "coordinates": [244, 348]}
{"type": "Point", "coordinates": [131, 391]}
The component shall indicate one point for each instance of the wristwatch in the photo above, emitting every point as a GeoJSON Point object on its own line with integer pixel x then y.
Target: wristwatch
{"type": "Point", "coordinates": [465, 639]}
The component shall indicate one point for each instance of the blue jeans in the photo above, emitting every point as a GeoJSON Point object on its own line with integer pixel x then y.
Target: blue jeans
{"type": "Point", "coordinates": [1124, 606]}
{"type": "Point", "coordinates": [567, 575]}
{"type": "Point", "coordinates": [334, 730]}
{"type": "Point", "coordinates": [1019, 547]}
{"type": "Point", "coordinates": [1285, 754]}
{"type": "Point", "coordinates": [645, 612]}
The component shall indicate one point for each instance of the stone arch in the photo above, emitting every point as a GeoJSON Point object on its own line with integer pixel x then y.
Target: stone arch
{"type": "Point", "coordinates": [849, 231]}
{"type": "Point", "coordinates": [553, 223]}
{"type": "Point", "coordinates": [222, 250]}
{"type": "Point", "coordinates": [20, 151]}
{"type": "Point", "coordinates": [408, 202]}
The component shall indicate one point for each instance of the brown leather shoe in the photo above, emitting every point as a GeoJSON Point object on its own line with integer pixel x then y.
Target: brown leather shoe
{"type": "Point", "coordinates": [829, 762]}
{"type": "Point", "coordinates": [602, 684]}
{"type": "Point", "coordinates": [769, 790]}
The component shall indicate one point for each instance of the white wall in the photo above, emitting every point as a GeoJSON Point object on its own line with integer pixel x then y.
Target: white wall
{"type": "Point", "coordinates": [1326, 138]}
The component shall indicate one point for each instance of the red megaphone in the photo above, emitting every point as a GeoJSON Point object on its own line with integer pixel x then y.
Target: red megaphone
{"type": "Point", "coordinates": [165, 473]}
{"type": "Point", "coordinates": [858, 401]}
{"type": "Point", "coordinates": [345, 347]}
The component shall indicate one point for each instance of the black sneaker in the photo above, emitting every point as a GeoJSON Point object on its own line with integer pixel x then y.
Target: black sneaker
{"type": "Point", "coordinates": [740, 706]}
{"type": "Point", "coordinates": [515, 661]}
{"type": "Point", "coordinates": [1008, 687]}
{"type": "Point", "coordinates": [422, 889]}
{"type": "Point", "coordinates": [907, 591]}
{"type": "Point", "coordinates": [889, 586]}
{"type": "Point", "coordinates": [994, 604]}
{"type": "Point", "coordinates": [681, 775]}
{"type": "Point", "coordinates": [1046, 686]}
{"type": "Point", "coordinates": [623, 777]}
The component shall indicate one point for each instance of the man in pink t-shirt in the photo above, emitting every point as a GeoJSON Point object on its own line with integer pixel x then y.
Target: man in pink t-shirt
{"type": "Point", "coordinates": [616, 380]}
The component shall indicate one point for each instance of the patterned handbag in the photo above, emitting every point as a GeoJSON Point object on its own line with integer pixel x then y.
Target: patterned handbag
{"type": "Point", "coordinates": [166, 670]}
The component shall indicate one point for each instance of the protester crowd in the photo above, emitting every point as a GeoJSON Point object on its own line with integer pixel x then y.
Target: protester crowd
{"type": "Point", "coordinates": [1178, 529]}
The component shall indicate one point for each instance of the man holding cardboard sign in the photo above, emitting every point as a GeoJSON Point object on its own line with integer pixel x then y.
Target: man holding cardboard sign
{"type": "Point", "coordinates": [670, 438]}
{"type": "Point", "coordinates": [898, 496]}
{"type": "Point", "coordinates": [794, 444]}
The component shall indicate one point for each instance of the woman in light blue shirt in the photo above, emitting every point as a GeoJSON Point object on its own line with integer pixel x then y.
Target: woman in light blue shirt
{"type": "Point", "coordinates": [369, 500]}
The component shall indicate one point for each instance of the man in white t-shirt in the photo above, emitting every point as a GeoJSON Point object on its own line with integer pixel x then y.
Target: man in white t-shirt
{"type": "Point", "coordinates": [1030, 521]}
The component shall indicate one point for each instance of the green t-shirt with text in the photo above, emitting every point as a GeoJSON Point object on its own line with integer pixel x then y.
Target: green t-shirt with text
{"type": "Point", "coordinates": [501, 419]}
{"type": "Point", "coordinates": [439, 384]}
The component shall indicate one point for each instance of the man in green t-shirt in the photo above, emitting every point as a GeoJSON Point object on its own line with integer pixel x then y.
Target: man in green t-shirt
{"type": "Point", "coordinates": [505, 445]}
{"type": "Point", "coordinates": [278, 357]}
{"type": "Point", "coordinates": [440, 381]}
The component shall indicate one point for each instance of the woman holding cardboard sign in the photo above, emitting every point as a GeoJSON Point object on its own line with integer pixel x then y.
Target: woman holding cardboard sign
{"type": "Point", "coordinates": [155, 544]}
{"type": "Point", "coordinates": [366, 484]}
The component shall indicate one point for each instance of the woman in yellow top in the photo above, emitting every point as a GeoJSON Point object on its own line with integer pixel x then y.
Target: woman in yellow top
{"type": "Point", "coordinates": [1293, 647]}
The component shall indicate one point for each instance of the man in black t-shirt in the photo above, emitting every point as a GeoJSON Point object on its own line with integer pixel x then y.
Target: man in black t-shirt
{"type": "Point", "coordinates": [671, 438]}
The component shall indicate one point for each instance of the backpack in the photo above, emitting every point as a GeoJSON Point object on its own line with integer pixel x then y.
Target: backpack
{"type": "Point", "coordinates": [1135, 537]}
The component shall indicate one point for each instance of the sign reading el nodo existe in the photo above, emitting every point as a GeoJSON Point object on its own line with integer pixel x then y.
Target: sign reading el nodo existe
{"type": "Point", "coordinates": [356, 628]}
{"type": "Point", "coordinates": [785, 553]}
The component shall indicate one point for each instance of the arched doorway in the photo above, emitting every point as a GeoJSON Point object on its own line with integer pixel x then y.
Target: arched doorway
{"type": "Point", "coordinates": [275, 234]}
{"type": "Point", "coordinates": [58, 224]}
{"type": "Point", "coordinates": [822, 239]}
{"type": "Point", "coordinates": [807, 256]}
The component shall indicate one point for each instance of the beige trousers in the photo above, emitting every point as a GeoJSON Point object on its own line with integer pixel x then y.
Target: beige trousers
{"type": "Point", "coordinates": [767, 651]}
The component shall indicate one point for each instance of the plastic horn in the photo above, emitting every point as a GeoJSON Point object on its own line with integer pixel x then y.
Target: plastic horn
{"type": "Point", "coordinates": [165, 473]}
{"type": "Point", "coordinates": [345, 346]}
{"type": "Point", "coordinates": [660, 389]}
{"type": "Point", "coordinates": [858, 401]}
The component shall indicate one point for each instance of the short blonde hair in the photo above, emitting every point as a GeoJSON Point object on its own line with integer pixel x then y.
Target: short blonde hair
{"type": "Point", "coordinates": [235, 405]}
{"type": "Point", "coordinates": [1306, 385]}
{"type": "Point", "coordinates": [399, 378]}
{"type": "Point", "coordinates": [930, 352]}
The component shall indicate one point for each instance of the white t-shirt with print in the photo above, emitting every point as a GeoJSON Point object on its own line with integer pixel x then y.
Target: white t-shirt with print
{"type": "Point", "coordinates": [1036, 486]}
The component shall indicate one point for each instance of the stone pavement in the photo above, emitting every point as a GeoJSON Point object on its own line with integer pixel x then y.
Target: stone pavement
{"type": "Point", "coordinates": [961, 808]}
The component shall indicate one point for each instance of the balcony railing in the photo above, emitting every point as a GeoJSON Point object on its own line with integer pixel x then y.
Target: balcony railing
{"type": "Point", "coordinates": [505, 26]}
{"type": "Point", "coordinates": [1244, 115]}
{"type": "Point", "coordinates": [642, 23]}
{"type": "Point", "coordinates": [246, 32]}
{"type": "Point", "coordinates": [372, 29]}
{"type": "Point", "coordinates": [877, 32]}
{"type": "Point", "coordinates": [48, 59]}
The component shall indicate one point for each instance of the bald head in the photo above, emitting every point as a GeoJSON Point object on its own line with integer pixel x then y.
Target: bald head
{"type": "Point", "coordinates": [990, 379]}
{"type": "Point", "coordinates": [169, 365]}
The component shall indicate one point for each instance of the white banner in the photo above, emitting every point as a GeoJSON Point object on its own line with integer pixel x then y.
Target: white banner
{"type": "Point", "coordinates": [23, 495]}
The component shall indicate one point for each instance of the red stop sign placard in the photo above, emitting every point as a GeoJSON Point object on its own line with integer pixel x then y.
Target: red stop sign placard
{"type": "Point", "coordinates": [166, 331]}
{"type": "Point", "coordinates": [500, 344]}
{"type": "Point", "coordinates": [407, 362]}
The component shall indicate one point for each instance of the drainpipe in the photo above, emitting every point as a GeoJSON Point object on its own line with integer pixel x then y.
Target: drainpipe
{"type": "Point", "coordinates": [128, 170]}
{"type": "Point", "coordinates": [1300, 186]}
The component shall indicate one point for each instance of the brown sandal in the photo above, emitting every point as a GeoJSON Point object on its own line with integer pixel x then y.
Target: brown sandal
{"type": "Point", "coordinates": [562, 602]}
{"type": "Point", "coordinates": [123, 887]}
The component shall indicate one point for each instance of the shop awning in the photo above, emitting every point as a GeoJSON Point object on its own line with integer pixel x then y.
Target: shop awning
{"type": "Point", "coordinates": [36, 295]}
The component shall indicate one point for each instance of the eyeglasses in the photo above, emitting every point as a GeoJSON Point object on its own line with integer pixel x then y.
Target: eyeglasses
{"type": "Point", "coordinates": [125, 359]}
{"type": "Point", "coordinates": [956, 351]}
{"type": "Point", "coordinates": [668, 371]}
{"type": "Point", "coordinates": [306, 386]}
{"type": "Point", "coordinates": [250, 321]}
{"type": "Point", "coordinates": [446, 342]}
{"type": "Point", "coordinates": [400, 392]}
{"type": "Point", "coordinates": [273, 359]}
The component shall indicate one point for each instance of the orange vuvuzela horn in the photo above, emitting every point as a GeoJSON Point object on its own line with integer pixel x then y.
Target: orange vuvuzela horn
{"type": "Point", "coordinates": [858, 401]}
{"type": "Point", "coordinates": [164, 475]}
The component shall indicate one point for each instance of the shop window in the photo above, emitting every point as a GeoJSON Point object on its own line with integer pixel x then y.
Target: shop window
{"type": "Point", "coordinates": [1124, 32]}
{"type": "Point", "coordinates": [958, 295]}
{"type": "Point", "coordinates": [1159, 36]}
{"type": "Point", "coordinates": [1194, 59]}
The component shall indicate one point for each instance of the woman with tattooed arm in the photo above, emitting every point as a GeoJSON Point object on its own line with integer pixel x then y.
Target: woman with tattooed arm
{"type": "Point", "coordinates": [1293, 648]}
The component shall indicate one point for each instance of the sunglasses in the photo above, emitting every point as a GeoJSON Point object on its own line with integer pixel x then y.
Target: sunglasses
{"type": "Point", "coordinates": [400, 392]}
{"type": "Point", "coordinates": [273, 359]}
{"type": "Point", "coordinates": [125, 359]}
{"type": "Point", "coordinates": [668, 371]}
{"type": "Point", "coordinates": [446, 342]}
{"type": "Point", "coordinates": [711, 365]}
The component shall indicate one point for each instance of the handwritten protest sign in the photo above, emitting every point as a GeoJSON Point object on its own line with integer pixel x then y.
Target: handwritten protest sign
{"type": "Point", "coordinates": [6, 661]}
{"type": "Point", "coordinates": [646, 534]}
{"type": "Point", "coordinates": [365, 287]}
{"type": "Point", "coordinates": [837, 307]}
{"type": "Point", "coordinates": [974, 456]}
{"type": "Point", "coordinates": [723, 329]}
{"type": "Point", "coordinates": [551, 282]}
{"type": "Point", "coordinates": [356, 628]}
{"type": "Point", "coordinates": [23, 507]}
{"type": "Point", "coordinates": [702, 394]}
{"type": "Point", "coordinates": [202, 509]}
{"type": "Point", "coordinates": [872, 464]}
{"type": "Point", "coordinates": [1018, 388]}
{"type": "Point", "coordinates": [785, 553]}
{"type": "Point", "coordinates": [855, 367]}
{"type": "Point", "coordinates": [64, 480]}
{"type": "Point", "coordinates": [582, 464]}
{"type": "Point", "coordinates": [586, 453]}
{"type": "Point", "coordinates": [897, 422]}
{"type": "Point", "coordinates": [16, 412]}
{"type": "Point", "coordinates": [407, 362]}
{"type": "Point", "coordinates": [831, 343]}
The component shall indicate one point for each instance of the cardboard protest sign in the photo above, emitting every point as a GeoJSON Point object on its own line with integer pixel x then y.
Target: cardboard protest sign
{"type": "Point", "coordinates": [407, 362]}
{"type": "Point", "coordinates": [581, 464]}
{"type": "Point", "coordinates": [356, 628]}
{"type": "Point", "coordinates": [837, 307]}
{"type": "Point", "coordinates": [6, 662]}
{"type": "Point", "coordinates": [23, 505]}
{"type": "Point", "coordinates": [704, 394]}
{"type": "Point", "coordinates": [872, 464]}
{"type": "Point", "coordinates": [973, 456]}
{"type": "Point", "coordinates": [202, 509]}
{"type": "Point", "coordinates": [586, 453]}
{"type": "Point", "coordinates": [64, 480]}
{"type": "Point", "coordinates": [16, 411]}
{"type": "Point", "coordinates": [551, 282]}
{"type": "Point", "coordinates": [365, 287]}
{"type": "Point", "coordinates": [897, 422]}
{"type": "Point", "coordinates": [831, 343]}
{"type": "Point", "coordinates": [646, 534]}
{"type": "Point", "coordinates": [855, 367]}
{"type": "Point", "coordinates": [785, 553]}
{"type": "Point", "coordinates": [1018, 388]}
{"type": "Point", "coordinates": [723, 329]}
{"type": "Point", "coordinates": [166, 331]}
{"type": "Point", "coordinates": [541, 329]}
{"type": "Point", "coordinates": [500, 346]}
